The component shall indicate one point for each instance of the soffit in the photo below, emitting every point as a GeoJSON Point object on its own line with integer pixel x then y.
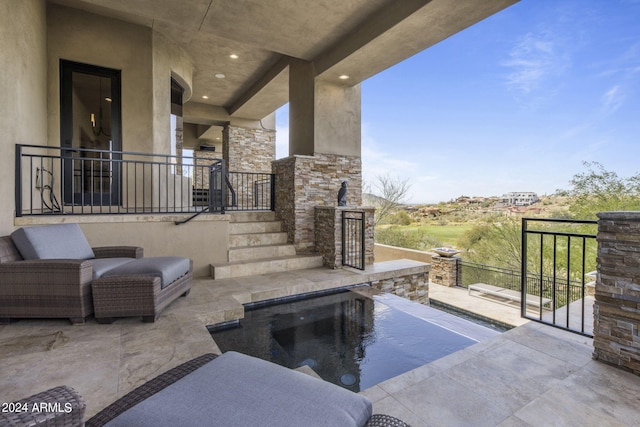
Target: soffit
{"type": "Point", "coordinates": [355, 37]}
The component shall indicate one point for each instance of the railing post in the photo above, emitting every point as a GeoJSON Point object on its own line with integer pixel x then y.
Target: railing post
{"type": "Point", "coordinates": [273, 192]}
{"type": "Point", "coordinates": [523, 271]}
{"type": "Point", "coordinates": [18, 180]}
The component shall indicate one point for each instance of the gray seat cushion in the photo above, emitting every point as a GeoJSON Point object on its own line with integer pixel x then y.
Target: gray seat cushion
{"type": "Point", "coordinates": [58, 241]}
{"type": "Point", "coordinates": [168, 268]}
{"type": "Point", "coordinates": [103, 265]}
{"type": "Point", "coordinates": [236, 390]}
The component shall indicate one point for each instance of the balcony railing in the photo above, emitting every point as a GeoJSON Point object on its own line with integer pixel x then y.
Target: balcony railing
{"type": "Point", "coordinates": [558, 265]}
{"type": "Point", "coordinates": [561, 254]}
{"type": "Point", "coordinates": [80, 181]}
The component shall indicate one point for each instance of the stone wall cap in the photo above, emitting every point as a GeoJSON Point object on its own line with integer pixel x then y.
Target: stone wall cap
{"type": "Point", "coordinates": [626, 215]}
{"type": "Point", "coordinates": [345, 208]}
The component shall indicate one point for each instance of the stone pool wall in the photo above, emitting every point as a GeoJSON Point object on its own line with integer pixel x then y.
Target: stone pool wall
{"type": "Point", "coordinates": [414, 287]}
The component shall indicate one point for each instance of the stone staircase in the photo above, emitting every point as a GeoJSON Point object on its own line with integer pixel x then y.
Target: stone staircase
{"type": "Point", "coordinates": [257, 245]}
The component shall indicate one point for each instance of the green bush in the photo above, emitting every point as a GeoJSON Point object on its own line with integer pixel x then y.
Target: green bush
{"type": "Point", "coordinates": [400, 218]}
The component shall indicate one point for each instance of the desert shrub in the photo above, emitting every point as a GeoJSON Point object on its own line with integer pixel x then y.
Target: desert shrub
{"type": "Point", "coordinates": [400, 218]}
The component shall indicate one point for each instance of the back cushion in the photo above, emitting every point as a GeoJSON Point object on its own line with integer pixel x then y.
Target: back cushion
{"type": "Point", "coordinates": [8, 250]}
{"type": "Point", "coordinates": [59, 241]}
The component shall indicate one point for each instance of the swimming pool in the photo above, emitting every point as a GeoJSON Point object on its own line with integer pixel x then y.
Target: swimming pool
{"type": "Point", "coordinates": [352, 338]}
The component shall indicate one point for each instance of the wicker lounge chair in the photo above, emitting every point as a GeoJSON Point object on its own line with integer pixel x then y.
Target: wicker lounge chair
{"type": "Point", "coordinates": [165, 380]}
{"type": "Point", "coordinates": [52, 272]}
{"type": "Point", "coordinates": [57, 407]}
{"type": "Point", "coordinates": [50, 288]}
{"type": "Point", "coordinates": [72, 406]}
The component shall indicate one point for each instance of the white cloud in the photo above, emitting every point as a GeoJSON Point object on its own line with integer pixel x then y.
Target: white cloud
{"type": "Point", "coordinates": [613, 99]}
{"type": "Point", "coordinates": [533, 61]}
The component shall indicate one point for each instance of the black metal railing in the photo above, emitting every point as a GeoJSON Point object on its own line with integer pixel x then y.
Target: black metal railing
{"type": "Point", "coordinates": [252, 191]}
{"type": "Point", "coordinates": [80, 181]}
{"type": "Point", "coordinates": [470, 273]}
{"type": "Point", "coordinates": [559, 255]}
{"type": "Point", "coordinates": [353, 228]}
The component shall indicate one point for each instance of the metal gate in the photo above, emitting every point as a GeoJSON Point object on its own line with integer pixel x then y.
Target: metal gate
{"type": "Point", "coordinates": [559, 272]}
{"type": "Point", "coordinates": [353, 239]}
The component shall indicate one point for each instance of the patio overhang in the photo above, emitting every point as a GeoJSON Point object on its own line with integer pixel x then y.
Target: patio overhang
{"type": "Point", "coordinates": [356, 39]}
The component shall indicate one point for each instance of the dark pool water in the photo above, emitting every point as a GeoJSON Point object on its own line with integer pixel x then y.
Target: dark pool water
{"type": "Point", "coordinates": [349, 338]}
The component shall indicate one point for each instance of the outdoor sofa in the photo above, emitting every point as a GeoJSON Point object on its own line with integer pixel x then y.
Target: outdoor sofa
{"type": "Point", "coordinates": [51, 271]}
{"type": "Point", "coordinates": [231, 390]}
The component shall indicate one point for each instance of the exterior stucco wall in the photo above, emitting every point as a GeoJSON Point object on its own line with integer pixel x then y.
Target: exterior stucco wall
{"type": "Point", "coordinates": [23, 112]}
{"type": "Point", "coordinates": [168, 61]}
{"type": "Point", "coordinates": [91, 39]}
{"type": "Point", "coordinates": [205, 239]}
{"type": "Point", "coordinates": [390, 253]}
{"type": "Point", "coordinates": [205, 242]}
{"type": "Point", "coordinates": [337, 119]}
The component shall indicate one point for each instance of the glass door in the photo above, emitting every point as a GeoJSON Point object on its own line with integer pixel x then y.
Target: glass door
{"type": "Point", "coordinates": [90, 132]}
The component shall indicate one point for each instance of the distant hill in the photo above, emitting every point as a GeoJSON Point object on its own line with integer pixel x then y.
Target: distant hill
{"type": "Point", "coordinates": [369, 199]}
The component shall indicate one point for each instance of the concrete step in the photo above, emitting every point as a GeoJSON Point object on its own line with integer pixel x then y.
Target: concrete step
{"type": "Point", "coordinates": [250, 253]}
{"type": "Point", "coordinates": [255, 227]}
{"type": "Point", "coordinates": [253, 216]}
{"type": "Point", "coordinates": [264, 266]}
{"type": "Point", "coordinates": [257, 239]}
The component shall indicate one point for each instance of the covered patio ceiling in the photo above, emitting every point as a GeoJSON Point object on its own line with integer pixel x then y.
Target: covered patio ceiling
{"type": "Point", "coordinates": [355, 38]}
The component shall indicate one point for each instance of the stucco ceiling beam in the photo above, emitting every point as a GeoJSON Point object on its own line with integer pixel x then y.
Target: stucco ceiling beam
{"type": "Point", "coordinates": [426, 26]}
{"type": "Point", "coordinates": [265, 95]}
{"type": "Point", "coordinates": [371, 28]}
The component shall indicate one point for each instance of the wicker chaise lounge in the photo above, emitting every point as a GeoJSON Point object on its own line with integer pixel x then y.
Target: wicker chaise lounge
{"type": "Point", "coordinates": [203, 392]}
{"type": "Point", "coordinates": [52, 287]}
{"type": "Point", "coordinates": [52, 272]}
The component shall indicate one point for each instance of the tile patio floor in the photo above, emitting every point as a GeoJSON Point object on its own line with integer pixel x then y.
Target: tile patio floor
{"type": "Point", "coordinates": [531, 375]}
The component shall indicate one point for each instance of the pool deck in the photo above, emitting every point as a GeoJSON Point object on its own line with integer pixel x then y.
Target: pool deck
{"type": "Point", "coordinates": [531, 375]}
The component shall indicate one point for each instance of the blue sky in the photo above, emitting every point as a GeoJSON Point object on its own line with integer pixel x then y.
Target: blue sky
{"type": "Point", "coordinates": [515, 103]}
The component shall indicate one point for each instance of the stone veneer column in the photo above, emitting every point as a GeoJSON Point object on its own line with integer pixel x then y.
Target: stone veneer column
{"type": "Point", "coordinates": [201, 160]}
{"type": "Point", "coordinates": [617, 307]}
{"type": "Point", "coordinates": [305, 182]}
{"type": "Point", "coordinates": [248, 150]}
{"type": "Point", "coordinates": [444, 270]}
{"type": "Point", "coordinates": [328, 233]}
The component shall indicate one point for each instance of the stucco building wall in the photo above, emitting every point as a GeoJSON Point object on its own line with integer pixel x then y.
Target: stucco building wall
{"type": "Point", "coordinates": [23, 112]}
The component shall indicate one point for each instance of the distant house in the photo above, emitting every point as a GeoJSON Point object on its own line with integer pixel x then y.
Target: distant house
{"type": "Point", "coordinates": [519, 198]}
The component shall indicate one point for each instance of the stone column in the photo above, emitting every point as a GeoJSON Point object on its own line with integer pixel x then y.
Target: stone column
{"type": "Point", "coordinates": [305, 182]}
{"type": "Point", "coordinates": [617, 307]}
{"type": "Point", "coordinates": [444, 270]}
{"type": "Point", "coordinates": [324, 149]}
{"type": "Point", "coordinates": [248, 150]}
{"type": "Point", "coordinates": [328, 233]}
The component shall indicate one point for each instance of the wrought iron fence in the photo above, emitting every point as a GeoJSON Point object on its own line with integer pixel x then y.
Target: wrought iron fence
{"type": "Point", "coordinates": [251, 191]}
{"type": "Point", "coordinates": [561, 255]}
{"type": "Point", "coordinates": [353, 250]}
{"type": "Point", "coordinates": [470, 273]}
{"type": "Point", "coordinates": [80, 181]}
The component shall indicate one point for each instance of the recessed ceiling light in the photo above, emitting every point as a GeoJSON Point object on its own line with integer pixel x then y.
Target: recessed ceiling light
{"type": "Point", "coordinates": [205, 97]}
{"type": "Point", "coordinates": [219, 75]}
{"type": "Point", "coordinates": [343, 77]}
{"type": "Point", "coordinates": [233, 56]}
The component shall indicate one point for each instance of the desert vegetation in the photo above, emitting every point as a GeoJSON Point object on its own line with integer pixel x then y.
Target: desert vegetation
{"type": "Point", "coordinates": [490, 234]}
